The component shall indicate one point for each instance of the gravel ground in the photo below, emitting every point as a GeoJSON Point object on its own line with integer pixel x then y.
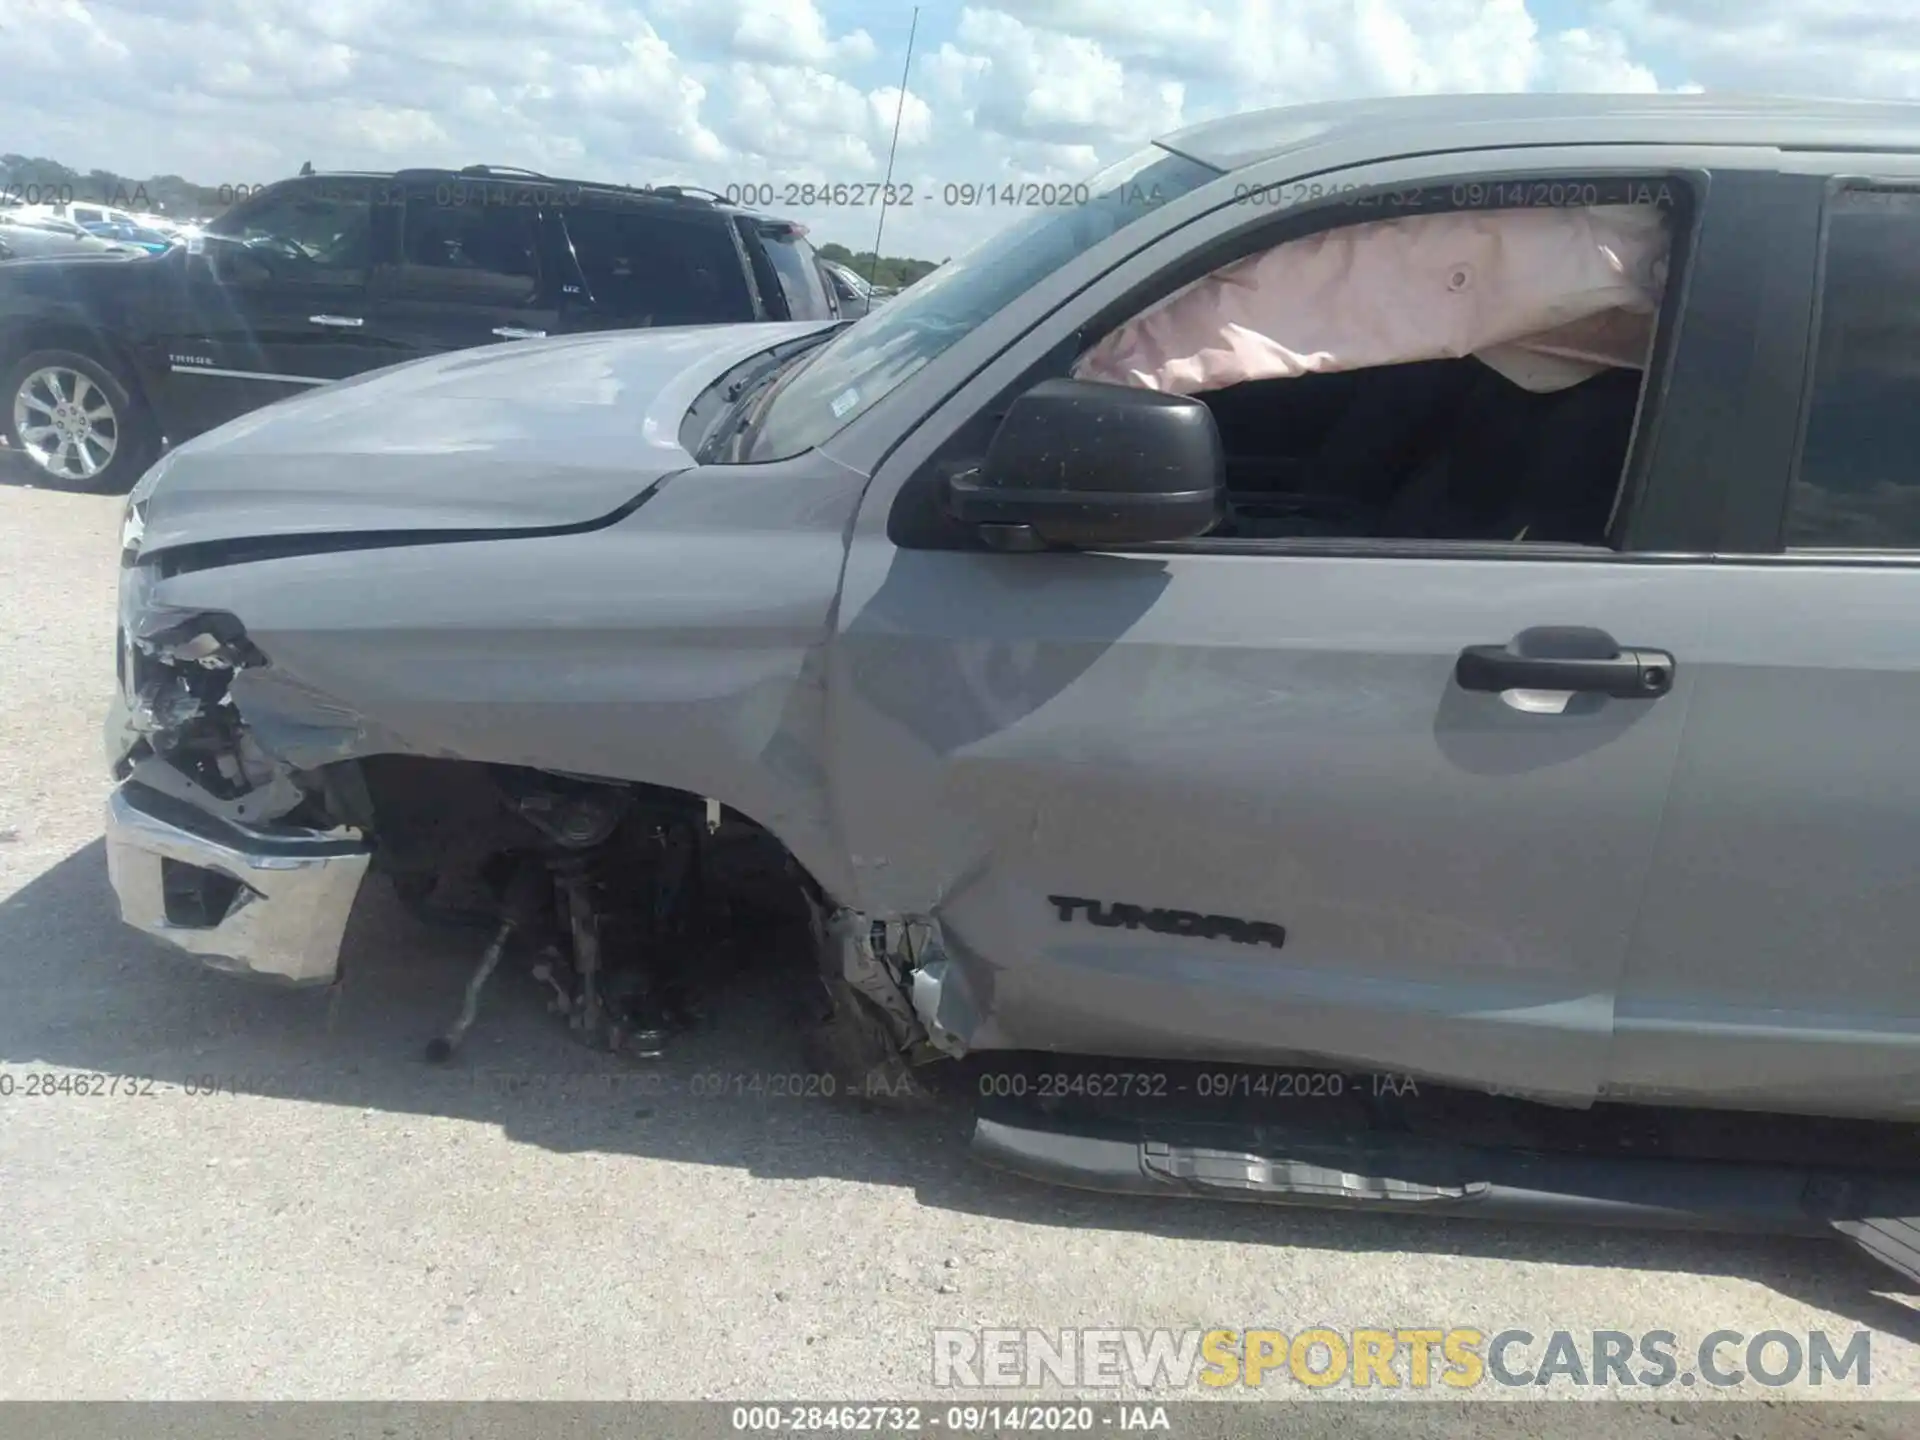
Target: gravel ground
{"type": "Point", "coordinates": [341, 1220]}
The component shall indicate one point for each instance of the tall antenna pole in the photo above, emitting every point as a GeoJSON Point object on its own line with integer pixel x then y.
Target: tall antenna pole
{"type": "Point", "coordinates": [899, 110]}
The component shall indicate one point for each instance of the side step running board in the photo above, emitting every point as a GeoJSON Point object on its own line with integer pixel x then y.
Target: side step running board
{"type": "Point", "coordinates": [1416, 1176]}
{"type": "Point", "coordinates": [1894, 1242]}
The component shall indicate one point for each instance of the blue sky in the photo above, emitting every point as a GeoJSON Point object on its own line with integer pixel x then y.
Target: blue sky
{"type": "Point", "coordinates": [727, 92]}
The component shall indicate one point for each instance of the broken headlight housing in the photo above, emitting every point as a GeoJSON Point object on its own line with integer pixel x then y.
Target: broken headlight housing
{"type": "Point", "coordinates": [133, 526]}
{"type": "Point", "coordinates": [133, 515]}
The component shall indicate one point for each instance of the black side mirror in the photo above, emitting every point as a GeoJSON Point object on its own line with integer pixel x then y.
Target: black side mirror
{"type": "Point", "coordinates": [1081, 465]}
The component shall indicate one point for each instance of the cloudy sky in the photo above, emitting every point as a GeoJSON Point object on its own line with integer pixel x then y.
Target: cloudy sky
{"type": "Point", "coordinates": [719, 92]}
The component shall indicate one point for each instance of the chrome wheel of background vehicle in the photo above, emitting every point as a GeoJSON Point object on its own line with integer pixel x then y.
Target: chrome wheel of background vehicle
{"type": "Point", "coordinates": [78, 419]}
{"type": "Point", "coordinates": [67, 425]}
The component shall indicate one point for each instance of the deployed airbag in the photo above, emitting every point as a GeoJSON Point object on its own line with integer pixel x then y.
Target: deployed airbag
{"type": "Point", "coordinates": [1548, 297]}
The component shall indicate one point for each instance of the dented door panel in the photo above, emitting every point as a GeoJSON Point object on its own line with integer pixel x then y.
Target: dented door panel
{"type": "Point", "coordinates": [1207, 744]}
{"type": "Point", "coordinates": [1228, 752]}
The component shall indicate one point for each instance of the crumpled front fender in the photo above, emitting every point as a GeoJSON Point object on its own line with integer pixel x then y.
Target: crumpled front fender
{"type": "Point", "coordinates": [682, 646]}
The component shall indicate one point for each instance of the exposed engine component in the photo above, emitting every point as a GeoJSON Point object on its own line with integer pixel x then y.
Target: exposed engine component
{"type": "Point", "coordinates": [628, 899]}
{"type": "Point", "coordinates": [873, 957]}
{"type": "Point", "coordinates": [623, 905]}
{"type": "Point", "coordinates": [578, 817]}
{"type": "Point", "coordinates": [631, 924]}
{"type": "Point", "coordinates": [525, 898]}
{"type": "Point", "coordinates": [178, 677]}
{"type": "Point", "coordinates": [182, 733]}
{"type": "Point", "coordinates": [627, 932]}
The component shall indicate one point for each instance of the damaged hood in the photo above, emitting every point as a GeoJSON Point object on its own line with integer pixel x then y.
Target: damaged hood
{"type": "Point", "coordinates": [531, 435]}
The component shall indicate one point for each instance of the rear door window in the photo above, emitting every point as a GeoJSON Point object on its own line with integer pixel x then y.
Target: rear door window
{"type": "Point", "coordinates": [475, 250]}
{"type": "Point", "coordinates": [1858, 483]}
{"type": "Point", "coordinates": [646, 265]}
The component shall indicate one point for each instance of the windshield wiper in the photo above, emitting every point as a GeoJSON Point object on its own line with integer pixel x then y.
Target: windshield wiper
{"type": "Point", "coordinates": [746, 399]}
{"type": "Point", "coordinates": [740, 407]}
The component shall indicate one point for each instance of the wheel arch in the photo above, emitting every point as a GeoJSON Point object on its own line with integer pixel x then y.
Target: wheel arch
{"type": "Point", "coordinates": [27, 335]}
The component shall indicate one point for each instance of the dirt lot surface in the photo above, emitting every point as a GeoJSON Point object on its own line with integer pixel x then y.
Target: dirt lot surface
{"type": "Point", "coordinates": [338, 1219]}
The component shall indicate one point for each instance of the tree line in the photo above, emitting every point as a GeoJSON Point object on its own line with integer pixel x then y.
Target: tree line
{"type": "Point", "coordinates": [36, 180]}
{"type": "Point", "coordinates": [891, 272]}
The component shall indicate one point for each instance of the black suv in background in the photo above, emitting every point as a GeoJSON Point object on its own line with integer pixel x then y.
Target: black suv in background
{"type": "Point", "coordinates": [327, 276]}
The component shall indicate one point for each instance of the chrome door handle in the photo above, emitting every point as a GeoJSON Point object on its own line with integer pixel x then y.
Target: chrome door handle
{"type": "Point", "coordinates": [510, 332]}
{"type": "Point", "coordinates": [350, 322]}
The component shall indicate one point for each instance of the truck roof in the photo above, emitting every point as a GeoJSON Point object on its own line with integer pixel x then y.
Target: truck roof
{"type": "Point", "coordinates": [1405, 125]}
{"type": "Point", "coordinates": [514, 175]}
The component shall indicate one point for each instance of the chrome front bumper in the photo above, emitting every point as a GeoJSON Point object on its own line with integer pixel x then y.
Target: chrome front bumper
{"type": "Point", "coordinates": [268, 902]}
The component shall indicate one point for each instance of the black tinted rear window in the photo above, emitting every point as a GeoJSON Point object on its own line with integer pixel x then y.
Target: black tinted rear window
{"type": "Point", "coordinates": [649, 267]}
{"type": "Point", "coordinates": [488, 254]}
{"type": "Point", "coordinates": [1859, 479]}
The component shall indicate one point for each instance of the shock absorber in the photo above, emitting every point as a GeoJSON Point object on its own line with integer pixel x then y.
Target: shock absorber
{"type": "Point", "coordinates": [679, 904]}
{"type": "Point", "coordinates": [525, 898]}
{"type": "Point", "coordinates": [578, 879]}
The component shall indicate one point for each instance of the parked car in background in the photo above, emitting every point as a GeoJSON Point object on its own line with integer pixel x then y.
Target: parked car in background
{"type": "Point", "coordinates": [118, 227]}
{"type": "Point", "coordinates": [87, 214]}
{"type": "Point", "coordinates": [129, 232]}
{"type": "Point", "coordinates": [172, 226]}
{"type": "Point", "coordinates": [84, 213]}
{"type": "Point", "coordinates": [322, 277]}
{"type": "Point", "coordinates": [855, 295]}
{"type": "Point", "coordinates": [30, 237]}
{"type": "Point", "coordinates": [1369, 663]}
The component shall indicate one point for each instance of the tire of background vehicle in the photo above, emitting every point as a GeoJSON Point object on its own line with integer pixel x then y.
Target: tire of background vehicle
{"type": "Point", "coordinates": [134, 441]}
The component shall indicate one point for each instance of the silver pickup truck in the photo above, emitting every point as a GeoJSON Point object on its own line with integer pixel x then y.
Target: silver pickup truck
{"type": "Point", "coordinates": [1416, 589]}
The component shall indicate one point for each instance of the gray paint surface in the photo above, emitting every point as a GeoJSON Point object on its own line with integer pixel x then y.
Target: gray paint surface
{"type": "Point", "coordinates": [1278, 740]}
{"type": "Point", "coordinates": [1774, 958]}
{"type": "Point", "coordinates": [1431, 123]}
{"type": "Point", "coordinates": [681, 645]}
{"type": "Point", "coordinates": [533, 433]}
{"type": "Point", "coordinates": [1614, 900]}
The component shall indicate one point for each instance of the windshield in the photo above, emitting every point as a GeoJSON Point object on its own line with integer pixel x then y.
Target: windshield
{"type": "Point", "coordinates": [327, 224]}
{"type": "Point", "coordinates": [861, 366]}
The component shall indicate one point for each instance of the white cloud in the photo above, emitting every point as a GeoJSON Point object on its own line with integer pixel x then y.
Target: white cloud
{"type": "Point", "coordinates": [913, 114]}
{"type": "Point", "coordinates": [1826, 47]}
{"type": "Point", "coordinates": [42, 33]}
{"type": "Point", "coordinates": [951, 71]}
{"type": "Point", "coordinates": [649, 86]}
{"type": "Point", "coordinates": [776, 32]}
{"type": "Point", "coordinates": [798, 118]}
{"type": "Point", "coordinates": [716, 92]}
{"type": "Point", "coordinates": [1236, 56]}
{"type": "Point", "coordinates": [1054, 86]}
{"type": "Point", "coordinates": [1592, 61]}
{"type": "Point", "coordinates": [395, 131]}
